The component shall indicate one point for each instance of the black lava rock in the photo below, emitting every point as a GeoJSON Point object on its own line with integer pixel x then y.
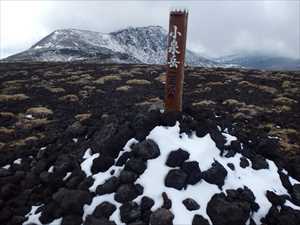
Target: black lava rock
{"type": "Point", "coordinates": [130, 212]}
{"type": "Point", "coordinates": [136, 165]}
{"type": "Point", "coordinates": [176, 178]}
{"type": "Point", "coordinates": [123, 158]}
{"type": "Point", "coordinates": [192, 169]}
{"type": "Point", "coordinates": [102, 164]}
{"type": "Point", "coordinates": [146, 149]}
{"type": "Point", "coordinates": [51, 211]}
{"type": "Point", "coordinates": [104, 210]}
{"type": "Point", "coordinates": [167, 203]}
{"type": "Point", "coordinates": [231, 166]}
{"type": "Point", "coordinates": [296, 193]}
{"type": "Point", "coordinates": [258, 163]}
{"type": "Point", "coordinates": [199, 220]}
{"type": "Point", "coordinates": [109, 186]}
{"type": "Point", "coordinates": [215, 175]}
{"type": "Point", "coordinates": [72, 220]}
{"type": "Point", "coordinates": [244, 162]}
{"type": "Point", "coordinates": [72, 201]}
{"type": "Point", "coordinates": [127, 176]}
{"type": "Point", "coordinates": [275, 199]}
{"type": "Point", "coordinates": [90, 220]}
{"type": "Point", "coordinates": [284, 216]}
{"type": "Point", "coordinates": [161, 217]}
{"type": "Point", "coordinates": [177, 157]}
{"type": "Point", "coordinates": [190, 204]}
{"type": "Point", "coordinates": [146, 203]}
{"type": "Point", "coordinates": [126, 193]}
{"type": "Point", "coordinates": [222, 211]}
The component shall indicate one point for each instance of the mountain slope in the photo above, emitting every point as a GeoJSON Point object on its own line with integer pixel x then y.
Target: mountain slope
{"type": "Point", "coordinates": [131, 45]}
{"type": "Point", "coordinates": [260, 61]}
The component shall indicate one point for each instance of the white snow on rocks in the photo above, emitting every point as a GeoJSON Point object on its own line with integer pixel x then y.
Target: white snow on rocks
{"type": "Point", "coordinates": [86, 165]}
{"type": "Point", "coordinates": [205, 152]}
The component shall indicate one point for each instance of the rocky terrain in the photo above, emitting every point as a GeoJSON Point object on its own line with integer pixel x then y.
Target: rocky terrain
{"type": "Point", "coordinates": [78, 141]}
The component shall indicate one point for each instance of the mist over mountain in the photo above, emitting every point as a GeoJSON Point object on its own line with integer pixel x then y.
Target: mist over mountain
{"type": "Point", "coordinates": [135, 45]}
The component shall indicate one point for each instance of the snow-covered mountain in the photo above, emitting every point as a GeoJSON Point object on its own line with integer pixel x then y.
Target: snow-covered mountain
{"type": "Point", "coordinates": [131, 45]}
{"type": "Point", "coordinates": [256, 60]}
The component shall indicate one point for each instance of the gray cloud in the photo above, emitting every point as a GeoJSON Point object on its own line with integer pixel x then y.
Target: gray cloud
{"type": "Point", "coordinates": [215, 28]}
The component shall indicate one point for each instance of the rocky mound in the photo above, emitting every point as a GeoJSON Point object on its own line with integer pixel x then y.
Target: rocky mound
{"type": "Point", "coordinates": [149, 168]}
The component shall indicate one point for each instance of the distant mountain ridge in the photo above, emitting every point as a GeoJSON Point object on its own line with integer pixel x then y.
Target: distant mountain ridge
{"type": "Point", "coordinates": [256, 60]}
{"type": "Point", "coordinates": [131, 45]}
{"type": "Point", "coordinates": [135, 45]}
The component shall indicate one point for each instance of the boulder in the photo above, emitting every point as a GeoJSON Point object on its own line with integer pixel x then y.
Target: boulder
{"type": "Point", "coordinates": [146, 149]}
{"type": "Point", "coordinates": [72, 201]}
{"type": "Point", "coordinates": [244, 162]}
{"type": "Point", "coordinates": [123, 158]}
{"type": "Point", "coordinates": [146, 203]}
{"type": "Point", "coordinates": [102, 164]}
{"type": "Point", "coordinates": [136, 165]}
{"type": "Point", "coordinates": [161, 217]}
{"type": "Point", "coordinates": [177, 157]}
{"type": "Point", "coordinates": [199, 220]}
{"type": "Point", "coordinates": [190, 204]}
{"type": "Point", "coordinates": [259, 162]}
{"type": "Point", "coordinates": [215, 175]}
{"type": "Point", "coordinates": [167, 203]}
{"type": "Point", "coordinates": [109, 186]}
{"type": "Point", "coordinates": [71, 220]}
{"type": "Point", "coordinates": [176, 178]}
{"type": "Point", "coordinates": [127, 176]}
{"type": "Point", "coordinates": [90, 220]}
{"type": "Point", "coordinates": [126, 193]}
{"type": "Point", "coordinates": [130, 212]}
{"type": "Point", "coordinates": [104, 210]}
{"type": "Point", "coordinates": [221, 211]}
{"type": "Point", "coordinates": [192, 169]}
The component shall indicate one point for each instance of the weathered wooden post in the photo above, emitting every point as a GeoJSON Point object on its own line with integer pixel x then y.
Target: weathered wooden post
{"type": "Point", "coordinates": [175, 60]}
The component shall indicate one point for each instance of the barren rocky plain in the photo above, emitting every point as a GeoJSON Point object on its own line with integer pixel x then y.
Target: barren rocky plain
{"type": "Point", "coordinates": [50, 113]}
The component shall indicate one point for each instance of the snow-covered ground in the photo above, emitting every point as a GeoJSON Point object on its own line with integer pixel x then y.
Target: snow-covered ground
{"type": "Point", "coordinates": [204, 151]}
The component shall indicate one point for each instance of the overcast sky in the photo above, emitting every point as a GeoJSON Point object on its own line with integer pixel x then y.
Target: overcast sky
{"type": "Point", "coordinates": [215, 28]}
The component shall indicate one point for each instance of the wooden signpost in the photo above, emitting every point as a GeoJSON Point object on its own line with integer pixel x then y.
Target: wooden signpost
{"type": "Point", "coordinates": [175, 60]}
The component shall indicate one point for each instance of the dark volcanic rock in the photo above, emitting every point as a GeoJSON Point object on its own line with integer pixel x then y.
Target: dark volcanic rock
{"type": "Point", "coordinates": [130, 212]}
{"type": "Point", "coordinates": [72, 220]}
{"type": "Point", "coordinates": [258, 163]}
{"type": "Point", "coordinates": [224, 212]}
{"type": "Point", "coordinates": [176, 178]}
{"type": "Point", "coordinates": [123, 158]}
{"type": "Point", "coordinates": [167, 203]}
{"type": "Point", "coordinates": [199, 220]}
{"type": "Point", "coordinates": [191, 204]}
{"type": "Point", "coordinates": [284, 216]}
{"type": "Point", "coordinates": [146, 149]}
{"type": "Point", "coordinates": [275, 199]}
{"type": "Point", "coordinates": [146, 203]}
{"type": "Point", "coordinates": [215, 175]}
{"type": "Point", "coordinates": [231, 166]}
{"type": "Point", "coordinates": [136, 165]}
{"type": "Point", "coordinates": [161, 217]}
{"type": "Point", "coordinates": [72, 201]}
{"type": "Point", "coordinates": [102, 164]}
{"type": "Point", "coordinates": [192, 169]}
{"type": "Point", "coordinates": [127, 192]}
{"type": "Point", "coordinates": [104, 210]}
{"type": "Point", "coordinates": [177, 157]}
{"type": "Point", "coordinates": [126, 177]}
{"type": "Point", "coordinates": [244, 162]}
{"type": "Point", "coordinates": [296, 193]}
{"type": "Point", "coordinates": [108, 187]}
{"type": "Point", "coordinates": [90, 220]}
